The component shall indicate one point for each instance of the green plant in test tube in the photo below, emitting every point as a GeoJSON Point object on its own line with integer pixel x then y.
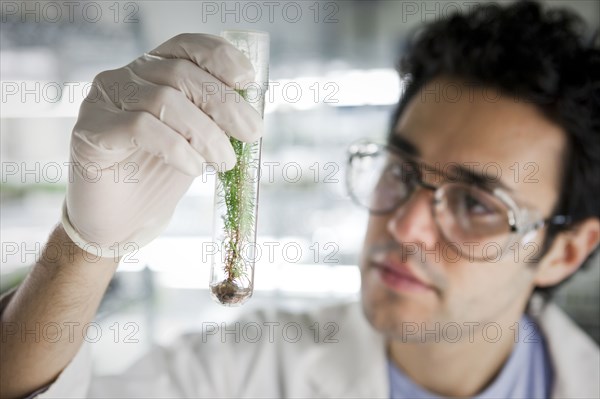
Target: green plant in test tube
{"type": "Point", "coordinates": [236, 191]}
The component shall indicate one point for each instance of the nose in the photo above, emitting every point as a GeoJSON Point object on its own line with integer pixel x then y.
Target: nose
{"type": "Point", "coordinates": [414, 222]}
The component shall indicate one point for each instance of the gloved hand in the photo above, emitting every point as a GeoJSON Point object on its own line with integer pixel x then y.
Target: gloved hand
{"type": "Point", "coordinates": [145, 131]}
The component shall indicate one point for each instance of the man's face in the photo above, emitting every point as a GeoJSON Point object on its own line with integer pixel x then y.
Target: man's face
{"type": "Point", "coordinates": [488, 133]}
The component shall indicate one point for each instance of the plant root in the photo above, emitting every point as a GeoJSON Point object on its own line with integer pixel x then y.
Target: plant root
{"type": "Point", "coordinates": [229, 293]}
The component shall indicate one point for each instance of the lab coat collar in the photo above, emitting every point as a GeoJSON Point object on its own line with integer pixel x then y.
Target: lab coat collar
{"type": "Point", "coordinates": [357, 367]}
{"type": "Point", "coordinates": [354, 367]}
{"type": "Point", "coordinates": [575, 357]}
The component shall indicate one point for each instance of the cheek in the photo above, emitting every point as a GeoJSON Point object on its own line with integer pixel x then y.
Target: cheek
{"type": "Point", "coordinates": [376, 230]}
{"type": "Point", "coordinates": [484, 289]}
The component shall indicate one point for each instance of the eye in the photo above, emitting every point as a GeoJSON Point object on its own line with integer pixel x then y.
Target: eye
{"type": "Point", "coordinates": [396, 171]}
{"type": "Point", "coordinates": [476, 207]}
{"type": "Point", "coordinates": [401, 171]}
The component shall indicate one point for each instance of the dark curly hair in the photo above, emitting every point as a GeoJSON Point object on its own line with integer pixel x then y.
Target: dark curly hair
{"type": "Point", "coordinates": [542, 57]}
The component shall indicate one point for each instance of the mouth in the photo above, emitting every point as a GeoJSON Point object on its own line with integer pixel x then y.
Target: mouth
{"type": "Point", "coordinates": [399, 276]}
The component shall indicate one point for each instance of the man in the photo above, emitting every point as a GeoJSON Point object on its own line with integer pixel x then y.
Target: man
{"type": "Point", "coordinates": [455, 245]}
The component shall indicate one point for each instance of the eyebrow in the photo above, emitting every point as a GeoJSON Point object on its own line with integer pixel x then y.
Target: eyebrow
{"type": "Point", "coordinates": [459, 172]}
{"type": "Point", "coordinates": [489, 182]}
{"type": "Point", "coordinates": [398, 142]}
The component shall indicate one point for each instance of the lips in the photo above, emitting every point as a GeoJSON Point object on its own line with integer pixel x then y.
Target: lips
{"type": "Point", "coordinates": [399, 276]}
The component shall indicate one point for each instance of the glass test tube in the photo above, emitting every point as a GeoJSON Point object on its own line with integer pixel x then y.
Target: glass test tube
{"type": "Point", "coordinates": [236, 191]}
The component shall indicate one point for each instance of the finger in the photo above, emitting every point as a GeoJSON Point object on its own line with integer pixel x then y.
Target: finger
{"type": "Point", "coordinates": [104, 134]}
{"type": "Point", "coordinates": [171, 107]}
{"type": "Point", "coordinates": [224, 105]}
{"type": "Point", "coordinates": [158, 139]}
{"type": "Point", "coordinates": [98, 134]}
{"type": "Point", "coordinates": [213, 54]}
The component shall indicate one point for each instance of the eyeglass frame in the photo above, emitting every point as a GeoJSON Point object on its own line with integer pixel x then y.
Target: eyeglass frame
{"type": "Point", "coordinates": [517, 216]}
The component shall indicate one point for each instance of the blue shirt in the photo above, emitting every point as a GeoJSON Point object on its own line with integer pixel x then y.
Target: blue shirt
{"type": "Point", "coordinates": [526, 374]}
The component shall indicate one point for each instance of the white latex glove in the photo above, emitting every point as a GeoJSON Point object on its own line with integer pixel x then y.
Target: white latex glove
{"type": "Point", "coordinates": [150, 127]}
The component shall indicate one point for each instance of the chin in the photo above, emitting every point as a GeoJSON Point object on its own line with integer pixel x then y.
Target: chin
{"type": "Point", "coordinates": [390, 313]}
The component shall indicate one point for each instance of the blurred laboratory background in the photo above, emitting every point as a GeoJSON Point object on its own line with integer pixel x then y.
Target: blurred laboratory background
{"type": "Point", "coordinates": [333, 81]}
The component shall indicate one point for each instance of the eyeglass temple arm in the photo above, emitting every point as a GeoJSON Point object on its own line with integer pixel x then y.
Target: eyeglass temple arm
{"type": "Point", "coordinates": [558, 220]}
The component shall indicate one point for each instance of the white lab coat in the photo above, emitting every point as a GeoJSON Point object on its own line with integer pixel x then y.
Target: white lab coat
{"type": "Point", "coordinates": [354, 366]}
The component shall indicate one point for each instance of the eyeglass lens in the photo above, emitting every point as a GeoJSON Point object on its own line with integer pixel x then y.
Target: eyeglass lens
{"type": "Point", "coordinates": [466, 214]}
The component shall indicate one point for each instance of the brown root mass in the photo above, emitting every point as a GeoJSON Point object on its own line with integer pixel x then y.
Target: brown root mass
{"type": "Point", "coordinates": [229, 293]}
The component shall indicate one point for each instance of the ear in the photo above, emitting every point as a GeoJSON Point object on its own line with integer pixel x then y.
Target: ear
{"type": "Point", "coordinates": [567, 253]}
